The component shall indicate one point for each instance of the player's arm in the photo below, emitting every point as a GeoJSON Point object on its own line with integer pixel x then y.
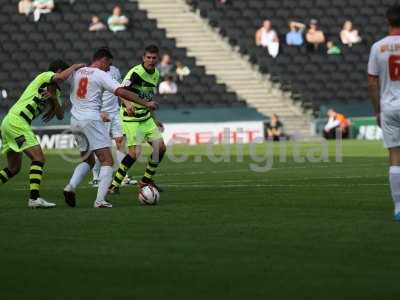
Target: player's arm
{"type": "Point", "coordinates": [55, 109]}
{"type": "Point", "coordinates": [132, 97]}
{"type": "Point", "coordinates": [115, 87]}
{"type": "Point", "coordinates": [373, 82]}
{"type": "Point", "coordinates": [373, 90]}
{"type": "Point", "coordinates": [157, 121]}
{"type": "Point", "coordinates": [64, 75]}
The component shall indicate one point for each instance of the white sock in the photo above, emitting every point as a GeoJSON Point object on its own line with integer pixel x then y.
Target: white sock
{"type": "Point", "coordinates": [394, 178]}
{"type": "Point", "coordinates": [80, 172]}
{"type": "Point", "coordinates": [120, 156]}
{"type": "Point", "coordinates": [106, 175]}
{"type": "Point", "coordinates": [96, 169]}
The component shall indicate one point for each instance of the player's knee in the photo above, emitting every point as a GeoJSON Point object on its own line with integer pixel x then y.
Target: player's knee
{"type": "Point", "coordinates": [119, 141]}
{"type": "Point", "coordinates": [134, 152]}
{"type": "Point", "coordinates": [14, 170]}
{"type": "Point", "coordinates": [108, 161]}
{"type": "Point", "coordinates": [162, 148]}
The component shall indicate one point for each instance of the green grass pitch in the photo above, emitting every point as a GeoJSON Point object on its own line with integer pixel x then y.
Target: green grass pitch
{"type": "Point", "coordinates": [303, 230]}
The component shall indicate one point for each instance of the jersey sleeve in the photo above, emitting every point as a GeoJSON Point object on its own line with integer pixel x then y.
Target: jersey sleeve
{"type": "Point", "coordinates": [118, 75]}
{"type": "Point", "coordinates": [45, 77]}
{"type": "Point", "coordinates": [373, 66]}
{"type": "Point", "coordinates": [108, 83]}
{"type": "Point", "coordinates": [134, 80]}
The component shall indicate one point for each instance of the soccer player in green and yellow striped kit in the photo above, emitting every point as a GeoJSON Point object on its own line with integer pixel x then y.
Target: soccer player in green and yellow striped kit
{"type": "Point", "coordinates": [138, 123]}
{"type": "Point", "coordinates": [17, 136]}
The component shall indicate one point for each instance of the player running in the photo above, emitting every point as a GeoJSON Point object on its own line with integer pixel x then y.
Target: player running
{"type": "Point", "coordinates": [384, 90]}
{"type": "Point", "coordinates": [138, 122]}
{"type": "Point", "coordinates": [87, 86]}
{"type": "Point", "coordinates": [110, 115]}
{"type": "Point", "coordinates": [41, 95]}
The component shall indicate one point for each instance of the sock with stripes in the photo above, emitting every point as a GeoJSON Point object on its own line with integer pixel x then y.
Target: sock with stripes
{"type": "Point", "coordinates": [150, 170]}
{"type": "Point", "coordinates": [124, 166]}
{"type": "Point", "coordinates": [5, 175]}
{"type": "Point", "coordinates": [35, 179]}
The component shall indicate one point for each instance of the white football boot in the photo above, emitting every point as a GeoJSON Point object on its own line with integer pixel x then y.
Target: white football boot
{"type": "Point", "coordinates": [40, 203]}
{"type": "Point", "coordinates": [102, 204]}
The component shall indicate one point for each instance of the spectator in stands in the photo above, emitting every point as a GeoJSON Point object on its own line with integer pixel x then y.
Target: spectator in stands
{"type": "Point", "coordinates": [42, 7]}
{"type": "Point", "coordinates": [25, 7]}
{"type": "Point", "coordinates": [275, 129]}
{"type": "Point", "coordinates": [267, 37]}
{"type": "Point", "coordinates": [165, 66]}
{"type": "Point", "coordinates": [349, 35]}
{"type": "Point", "coordinates": [295, 36]}
{"type": "Point", "coordinates": [332, 49]}
{"type": "Point", "coordinates": [96, 24]}
{"type": "Point", "coordinates": [314, 37]}
{"type": "Point", "coordinates": [181, 70]}
{"type": "Point", "coordinates": [117, 21]}
{"type": "Point", "coordinates": [168, 86]}
{"type": "Point", "coordinates": [337, 123]}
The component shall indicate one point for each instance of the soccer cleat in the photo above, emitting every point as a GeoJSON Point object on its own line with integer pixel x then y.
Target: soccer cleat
{"type": "Point", "coordinates": [69, 196]}
{"type": "Point", "coordinates": [94, 183]}
{"type": "Point", "coordinates": [397, 217]}
{"type": "Point", "coordinates": [40, 203]}
{"type": "Point", "coordinates": [128, 181]}
{"type": "Point", "coordinates": [102, 204]}
{"type": "Point", "coordinates": [141, 184]}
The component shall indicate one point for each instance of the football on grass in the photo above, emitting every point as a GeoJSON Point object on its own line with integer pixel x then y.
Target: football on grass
{"type": "Point", "coordinates": [148, 195]}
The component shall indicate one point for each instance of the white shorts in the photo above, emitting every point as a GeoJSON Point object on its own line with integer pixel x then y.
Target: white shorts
{"type": "Point", "coordinates": [390, 122]}
{"type": "Point", "coordinates": [114, 126]}
{"type": "Point", "coordinates": [90, 135]}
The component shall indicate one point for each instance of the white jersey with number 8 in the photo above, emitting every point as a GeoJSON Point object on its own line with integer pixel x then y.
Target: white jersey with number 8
{"type": "Point", "coordinates": [384, 62]}
{"type": "Point", "coordinates": [87, 87]}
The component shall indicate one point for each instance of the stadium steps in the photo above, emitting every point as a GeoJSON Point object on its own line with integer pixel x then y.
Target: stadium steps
{"type": "Point", "coordinates": [221, 60]}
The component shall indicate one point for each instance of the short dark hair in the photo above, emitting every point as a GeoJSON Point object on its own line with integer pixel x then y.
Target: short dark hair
{"type": "Point", "coordinates": [151, 49]}
{"type": "Point", "coordinates": [58, 64]}
{"type": "Point", "coordinates": [102, 52]}
{"type": "Point", "coordinates": [393, 15]}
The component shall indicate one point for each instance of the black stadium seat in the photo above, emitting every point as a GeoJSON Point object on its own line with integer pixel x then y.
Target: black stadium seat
{"type": "Point", "coordinates": [309, 76]}
{"type": "Point", "coordinates": [27, 47]}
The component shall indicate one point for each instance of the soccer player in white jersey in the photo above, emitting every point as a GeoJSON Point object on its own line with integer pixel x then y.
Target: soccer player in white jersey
{"type": "Point", "coordinates": [87, 87]}
{"type": "Point", "coordinates": [110, 115]}
{"type": "Point", "coordinates": [384, 90]}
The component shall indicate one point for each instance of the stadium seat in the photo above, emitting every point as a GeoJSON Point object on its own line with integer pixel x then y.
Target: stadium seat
{"type": "Point", "coordinates": [319, 72]}
{"type": "Point", "coordinates": [30, 46]}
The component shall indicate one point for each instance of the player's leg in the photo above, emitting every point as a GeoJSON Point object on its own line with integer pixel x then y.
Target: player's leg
{"type": "Point", "coordinates": [154, 137]}
{"type": "Point", "coordinates": [12, 139]}
{"type": "Point", "coordinates": [391, 137]}
{"type": "Point", "coordinates": [36, 155]}
{"type": "Point", "coordinates": [96, 172]}
{"type": "Point", "coordinates": [394, 179]}
{"type": "Point", "coordinates": [14, 161]}
{"type": "Point", "coordinates": [133, 143]}
{"type": "Point", "coordinates": [80, 172]}
{"type": "Point", "coordinates": [83, 132]}
{"type": "Point", "coordinates": [121, 153]}
{"type": "Point", "coordinates": [155, 159]}
{"type": "Point", "coordinates": [106, 174]}
{"type": "Point", "coordinates": [126, 163]}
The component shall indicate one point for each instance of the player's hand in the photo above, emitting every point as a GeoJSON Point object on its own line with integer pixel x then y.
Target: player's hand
{"type": "Point", "coordinates": [105, 117]}
{"type": "Point", "coordinates": [152, 105]}
{"type": "Point", "coordinates": [160, 126]}
{"type": "Point", "coordinates": [378, 119]}
{"type": "Point", "coordinates": [46, 94]}
{"type": "Point", "coordinates": [130, 108]}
